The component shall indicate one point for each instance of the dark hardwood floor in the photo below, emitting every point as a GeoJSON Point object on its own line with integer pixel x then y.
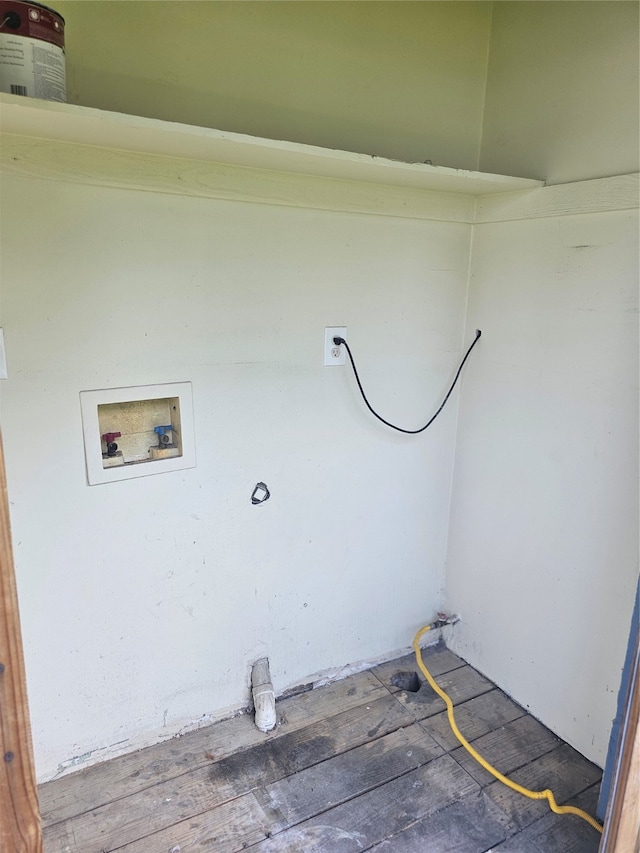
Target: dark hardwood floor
{"type": "Point", "coordinates": [360, 764]}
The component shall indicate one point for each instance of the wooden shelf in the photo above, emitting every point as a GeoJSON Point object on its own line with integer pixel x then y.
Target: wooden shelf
{"type": "Point", "coordinates": [66, 123]}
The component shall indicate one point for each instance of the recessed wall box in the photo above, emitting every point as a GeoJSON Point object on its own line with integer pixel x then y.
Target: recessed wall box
{"type": "Point", "coordinates": [133, 432]}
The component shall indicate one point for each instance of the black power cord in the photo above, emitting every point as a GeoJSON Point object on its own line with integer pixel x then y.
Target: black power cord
{"type": "Point", "coordinates": [339, 341]}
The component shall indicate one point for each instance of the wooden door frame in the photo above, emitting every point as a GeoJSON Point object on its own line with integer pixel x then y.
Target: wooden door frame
{"type": "Point", "coordinates": [621, 833]}
{"type": "Point", "coordinates": [19, 810]}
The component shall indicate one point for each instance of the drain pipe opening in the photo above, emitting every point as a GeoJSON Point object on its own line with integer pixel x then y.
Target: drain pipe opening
{"type": "Point", "coordinates": [264, 700]}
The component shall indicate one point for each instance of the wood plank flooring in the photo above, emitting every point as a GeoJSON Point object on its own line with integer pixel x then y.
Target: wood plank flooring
{"type": "Point", "coordinates": [357, 765]}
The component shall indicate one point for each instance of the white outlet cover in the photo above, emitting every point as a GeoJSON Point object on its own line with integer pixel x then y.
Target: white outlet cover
{"type": "Point", "coordinates": [329, 333]}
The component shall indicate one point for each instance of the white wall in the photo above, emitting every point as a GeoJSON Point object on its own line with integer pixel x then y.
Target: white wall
{"type": "Point", "coordinates": [543, 544]}
{"type": "Point", "coordinates": [402, 80]}
{"type": "Point", "coordinates": [144, 602]}
{"type": "Point", "coordinates": [562, 90]}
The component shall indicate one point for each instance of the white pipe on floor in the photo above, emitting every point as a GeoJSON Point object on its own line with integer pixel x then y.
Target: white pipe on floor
{"type": "Point", "coordinates": [264, 699]}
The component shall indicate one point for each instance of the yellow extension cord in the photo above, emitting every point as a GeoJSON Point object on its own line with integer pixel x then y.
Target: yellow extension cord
{"type": "Point", "coordinates": [533, 795]}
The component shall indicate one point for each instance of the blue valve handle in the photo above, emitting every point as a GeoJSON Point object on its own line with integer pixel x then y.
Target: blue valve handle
{"type": "Point", "coordinates": [161, 430]}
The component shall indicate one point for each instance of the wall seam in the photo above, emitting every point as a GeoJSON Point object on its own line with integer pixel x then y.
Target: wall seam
{"type": "Point", "coordinates": [486, 86]}
{"type": "Point", "coordinates": [465, 315]}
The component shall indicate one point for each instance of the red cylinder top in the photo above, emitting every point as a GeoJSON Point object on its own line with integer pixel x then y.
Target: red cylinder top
{"type": "Point", "coordinates": [32, 20]}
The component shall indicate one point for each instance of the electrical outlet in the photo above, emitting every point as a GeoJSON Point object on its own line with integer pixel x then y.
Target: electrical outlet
{"type": "Point", "coordinates": [334, 355]}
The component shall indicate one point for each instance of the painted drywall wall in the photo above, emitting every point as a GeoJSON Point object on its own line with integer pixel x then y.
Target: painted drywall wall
{"type": "Point", "coordinates": [144, 602]}
{"type": "Point", "coordinates": [562, 91]}
{"type": "Point", "coordinates": [402, 80]}
{"type": "Point", "coordinates": [543, 541]}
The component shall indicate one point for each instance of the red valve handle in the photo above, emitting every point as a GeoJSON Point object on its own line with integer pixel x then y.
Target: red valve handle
{"type": "Point", "coordinates": [108, 437]}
